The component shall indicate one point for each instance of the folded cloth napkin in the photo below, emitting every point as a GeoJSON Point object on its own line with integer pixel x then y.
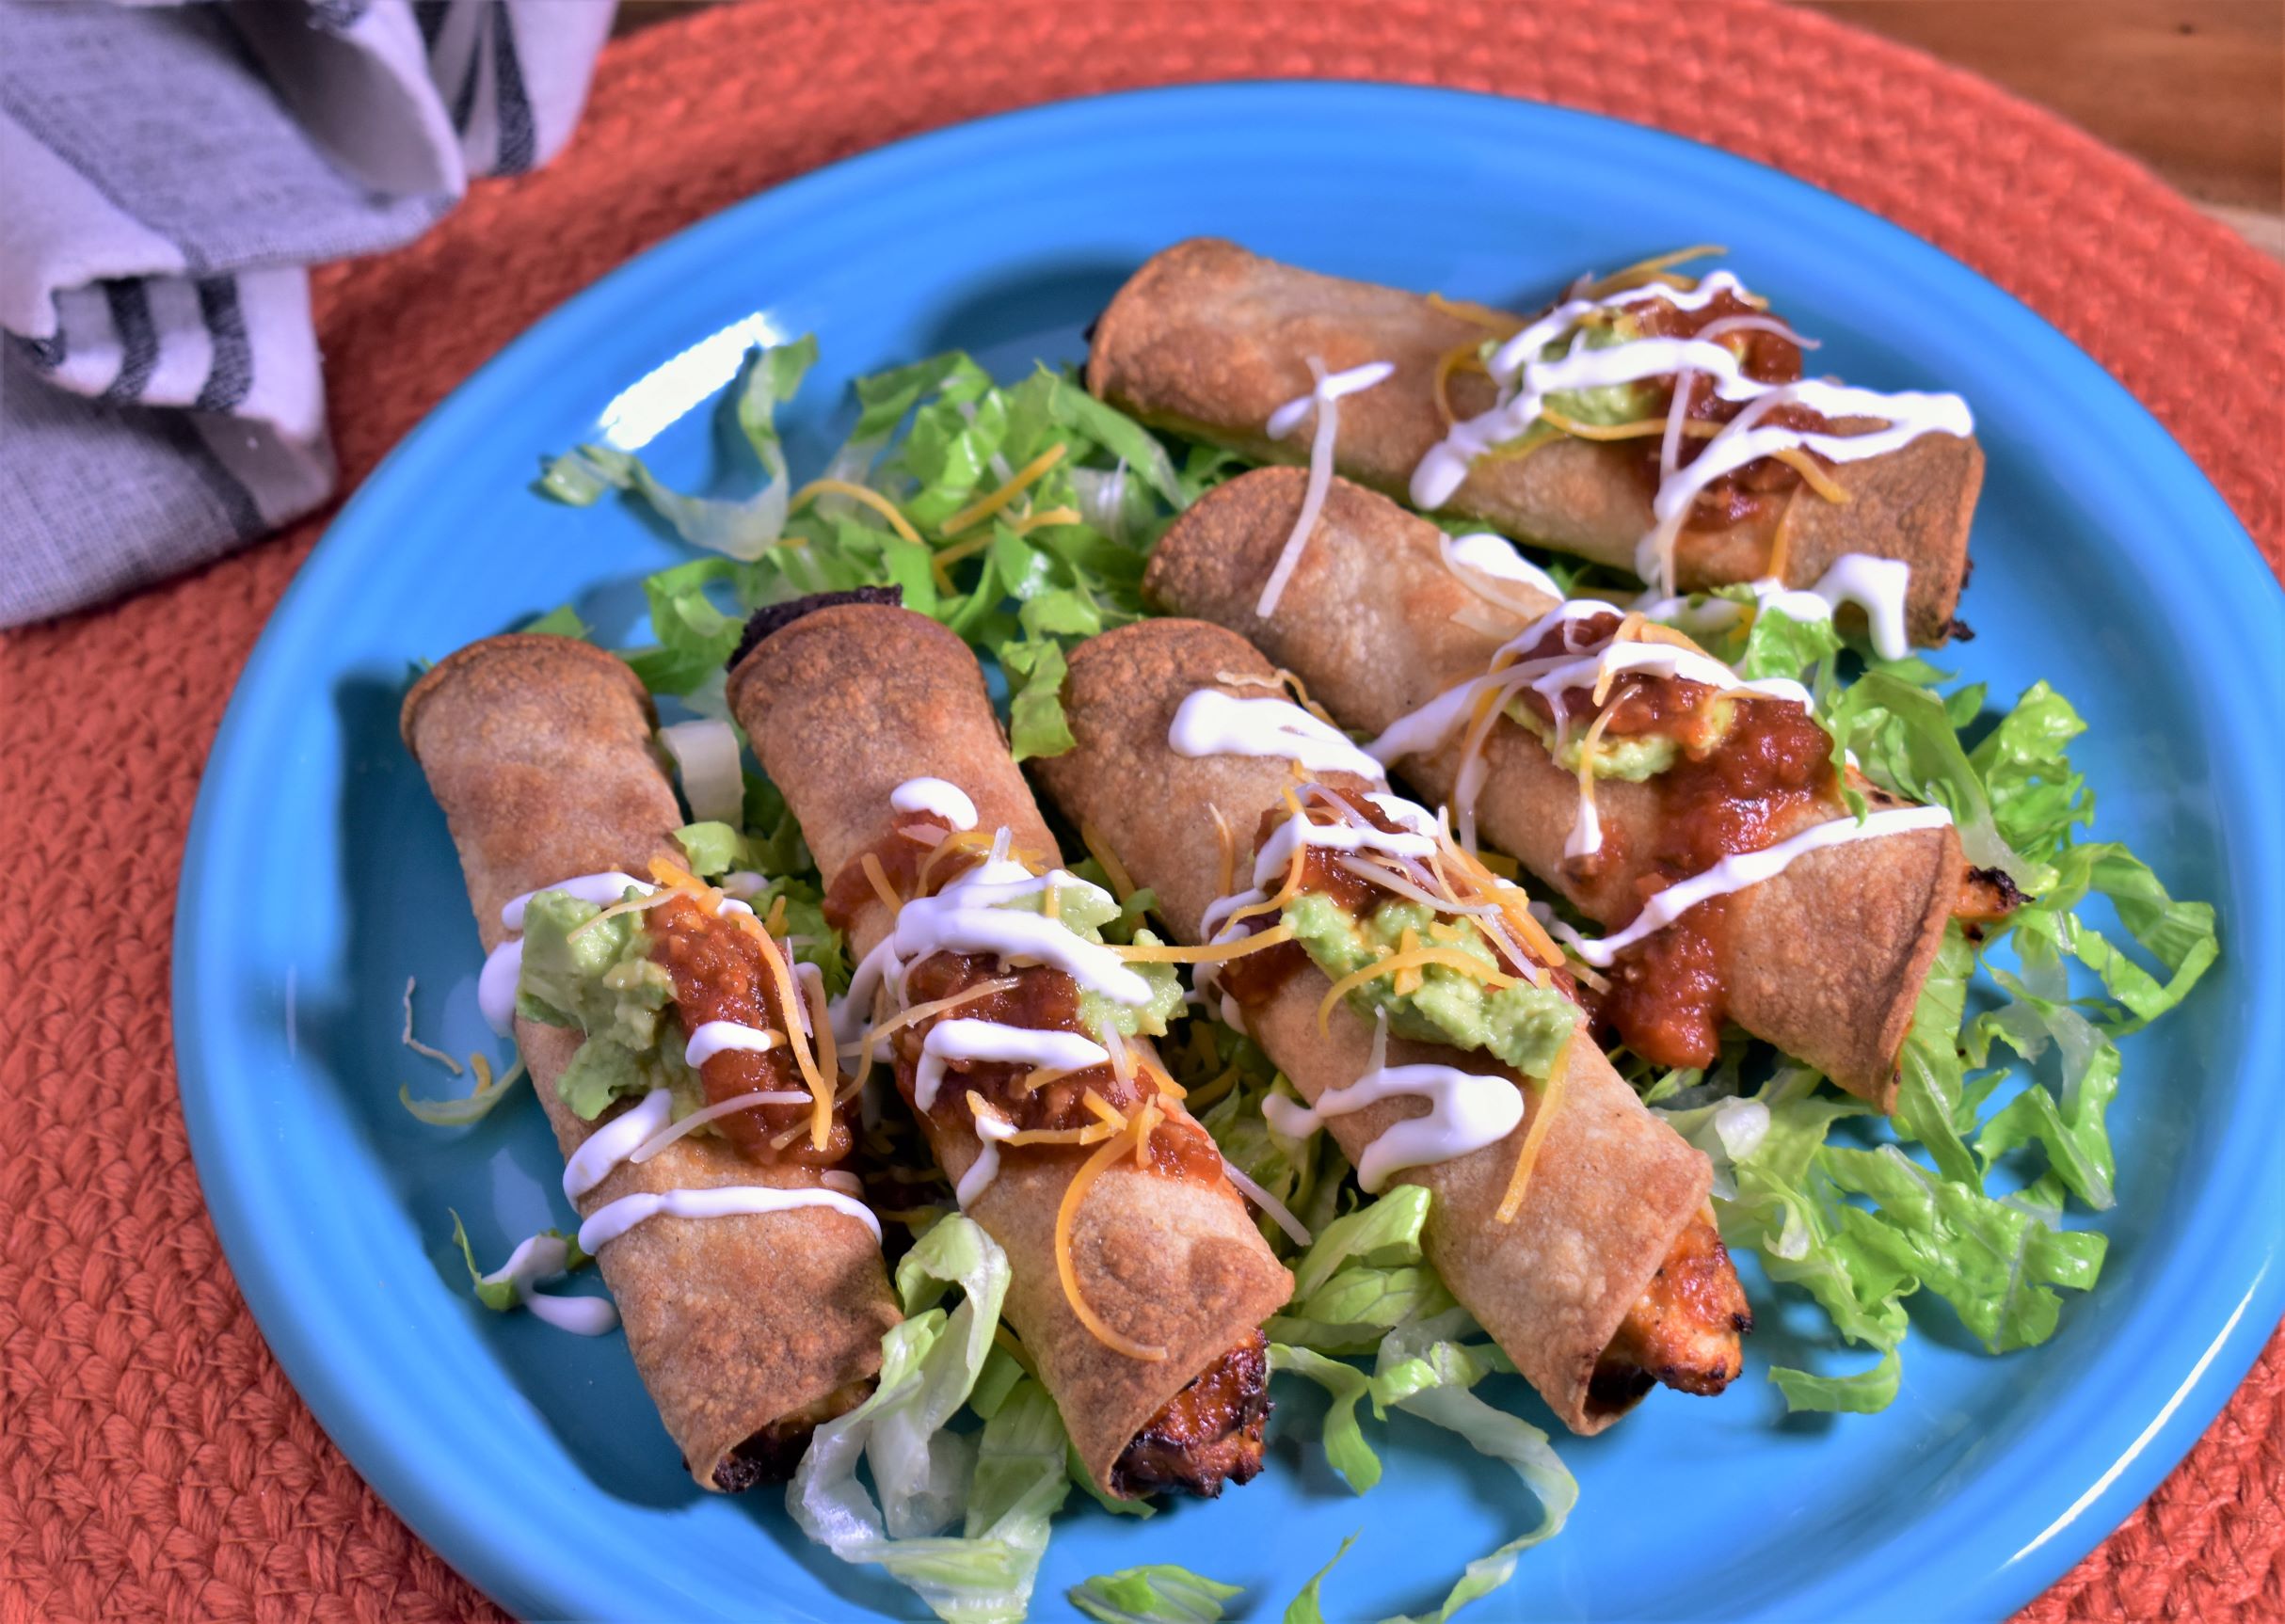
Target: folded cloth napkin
{"type": "Point", "coordinates": [171, 172]}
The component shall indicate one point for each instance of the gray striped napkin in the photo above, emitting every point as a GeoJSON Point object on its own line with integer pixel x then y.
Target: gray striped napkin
{"type": "Point", "coordinates": [171, 172]}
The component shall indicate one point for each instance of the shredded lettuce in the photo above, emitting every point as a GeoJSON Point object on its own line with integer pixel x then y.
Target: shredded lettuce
{"type": "Point", "coordinates": [1059, 560]}
{"type": "Point", "coordinates": [1001, 1485]}
{"type": "Point", "coordinates": [474, 1106]}
{"type": "Point", "coordinates": [499, 1295]}
{"type": "Point", "coordinates": [1159, 1593]}
{"type": "Point", "coordinates": [1863, 1230]}
{"type": "Point", "coordinates": [1422, 1364]}
{"type": "Point", "coordinates": [744, 529]}
{"type": "Point", "coordinates": [560, 621]}
{"type": "Point", "coordinates": [1303, 1608]}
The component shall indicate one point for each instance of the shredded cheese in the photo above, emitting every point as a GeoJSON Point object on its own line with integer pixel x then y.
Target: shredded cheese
{"type": "Point", "coordinates": [1451, 959]}
{"type": "Point", "coordinates": [1031, 521]}
{"type": "Point", "coordinates": [1122, 885]}
{"type": "Point", "coordinates": [1066, 1215]}
{"type": "Point", "coordinates": [417, 1047]}
{"type": "Point", "coordinates": [1212, 953]}
{"type": "Point", "coordinates": [880, 1030]}
{"type": "Point", "coordinates": [1812, 473]}
{"type": "Point", "coordinates": [1659, 267]}
{"type": "Point", "coordinates": [1640, 428]}
{"type": "Point", "coordinates": [1227, 882]}
{"type": "Point", "coordinates": [1589, 747]}
{"type": "Point", "coordinates": [881, 887]}
{"type": "Point", "coordinates": [1103, 1108]}
{"type": "Point", "coordinates": [1460, 356]}
{"type": "Point", "coordinates": [1781, 547]}
{"type": "Point", "coordinates": [630, 905]}
{"type": "Point", "coordinates": [775, 923]}
{"type": "Point", "coordinates": [1499, 322]}
{"type": "Point", "coordinates": [1150, 1117]}
{"type": "Point", "coordinates": [1551, 1097]}
{"type": "Point", "coordinates": [985, 508]}
{"type": "Point", "coordinates": [1206, 1093]}
{"type": "Point", "coordinates": [872, 498]}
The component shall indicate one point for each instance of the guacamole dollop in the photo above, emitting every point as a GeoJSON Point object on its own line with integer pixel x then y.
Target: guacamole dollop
{"type": "Point", "coordinates": [1523, 1025]}
{"type": "Point", "coordinates": [1084, 910]}
{"type": "Point", "coordinates": [1636, 758]}
{"type": "Point", "coordinates": [1608, 405]}
{"type": "Point", "coordinates": [604, 983]}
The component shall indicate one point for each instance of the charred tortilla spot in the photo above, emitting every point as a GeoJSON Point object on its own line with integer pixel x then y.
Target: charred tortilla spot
{"type": "Point", "coordinates": [766, 623]}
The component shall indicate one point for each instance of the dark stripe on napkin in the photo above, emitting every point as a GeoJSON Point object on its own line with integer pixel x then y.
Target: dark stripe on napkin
{"type": "Point", "coordinates": [230, 373]}
{"type": "Point", "coordinates": [138, 338]}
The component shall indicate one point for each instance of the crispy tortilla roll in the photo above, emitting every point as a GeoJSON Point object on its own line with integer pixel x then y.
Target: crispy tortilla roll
{"type": "Point", "coordinates": [1826, 960]}
{"type": "Point", "coordinates": [1209, 339]}
{"type": "Point", "coordinates": [749, 1329]}
{"type": "Point", "coordinates": [846, 704]}
{"type": "Point", "coordinates": [1575, 1285]}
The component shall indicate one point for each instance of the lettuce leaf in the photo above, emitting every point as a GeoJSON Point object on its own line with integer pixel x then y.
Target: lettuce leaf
{"type": "Point", "coordinates": [1303, 1608]}
{"type": "Point", "coordinates": [1159, 1593]}
{"type": "Point", "coordinates": [499, 1294]}
{"type": "Point", "coordinates": [1906, 740]}
{"type": "Point", "coordinates": [1346, 1450]}
{"type": "Point", "coordinates": [560, 621]}
{"type": "Point", "coordinates": [1421, 1365]}
{"type": "Point", "coordinates": [710, 848]}
{"type": "Point", "coordinates": [1003, 1485]}
{"type": "Point", "coordinates": [744, 529]}
{"type": "Point", "coordinates": [1059, 560]}
{"type": "Point", "coordinates": [474, 1107]}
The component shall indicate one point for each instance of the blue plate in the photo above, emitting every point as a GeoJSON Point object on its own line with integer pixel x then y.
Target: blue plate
{"type": "Point", "coordinates": [319, 876]}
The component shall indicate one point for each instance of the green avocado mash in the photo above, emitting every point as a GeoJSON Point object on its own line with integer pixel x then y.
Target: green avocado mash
{"type": "Point", "coordinates": [1524, 1025]}
{"type": "Point", "coordinates": [1636, 758]}
{"type": "Point", "coordinates": [1609, 405]}
{"type": "Point", "coordinates": [604, 983]}
{"type": "Point", "coordinates": [1084, 909]}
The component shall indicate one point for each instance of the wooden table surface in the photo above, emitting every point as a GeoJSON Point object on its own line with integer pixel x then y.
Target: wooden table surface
{"type": "Point", "coordinates": [2195, 88]}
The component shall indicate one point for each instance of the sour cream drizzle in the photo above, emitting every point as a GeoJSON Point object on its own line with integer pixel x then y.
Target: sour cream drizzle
{"type": "Point", "coordinates": [1526, 377]}
{"type": "Point", "coordinates": [543, 1257]}
{"type": "Point", "coordinates": [614, 1141]}
{"type": "Point", "coordinates": [985, 1168]}
{"type": "Point", "coordinates": [1212, 723]}
{"type": "Point", "coordinates": [1743, 869]}
{"type": "Point", "coordinates": [1465, 1113]}
{"type": "Point", "coordinates": [972, 916]}
{"type": "Point", "coordinates": [503, 965]}
{"type": "Point", "coordinates": [608, 1222]}
{"type": "Point", "coordinates": [719, 1037]}
{"type": "Point", "coordinates": [1283, 421]}
{"type": "Point", "coordinates": [934, 795]}
{"type": "Point", "coordinates": [1578, 665]}
{"type": "Point", "coordinates": [1495, 557]}
{"type": "Point", "coordinates": [958, 1038]}
{"type": "Point", "coordinates": [1879, 586]}
{"type": "Point", "coordinates": [632, 1131]}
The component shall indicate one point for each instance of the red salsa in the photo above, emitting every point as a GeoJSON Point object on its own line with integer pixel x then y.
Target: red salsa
{"type": "Point", "coordinates": [721, 974]}
{"type": "Point", "coordinates": [1757, 491]}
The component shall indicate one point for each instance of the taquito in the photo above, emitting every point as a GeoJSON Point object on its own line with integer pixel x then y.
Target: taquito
{"type": "Point", "coordinates": [1209, 340]}
{"type": "Point", "coordinates": [1825, 959]}
{"type": "Point", "coordinates": [1608, 1275]}
{"type": "Point", "coordinates": [876, 724]}
{"type": "Point", "coordinates": [749, 1329]}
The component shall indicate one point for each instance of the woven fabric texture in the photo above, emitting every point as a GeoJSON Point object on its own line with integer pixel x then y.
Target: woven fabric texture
{"type": "Point", "coordinates": [154, 1461]}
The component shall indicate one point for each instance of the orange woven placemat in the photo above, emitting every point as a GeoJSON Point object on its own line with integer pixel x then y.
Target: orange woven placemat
{"type": "Point", "coordinates": [154, 1461]}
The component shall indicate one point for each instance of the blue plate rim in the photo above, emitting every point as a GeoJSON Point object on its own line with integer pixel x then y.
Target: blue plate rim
{"type": "Point", "coordinates": [1904, 1574]}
